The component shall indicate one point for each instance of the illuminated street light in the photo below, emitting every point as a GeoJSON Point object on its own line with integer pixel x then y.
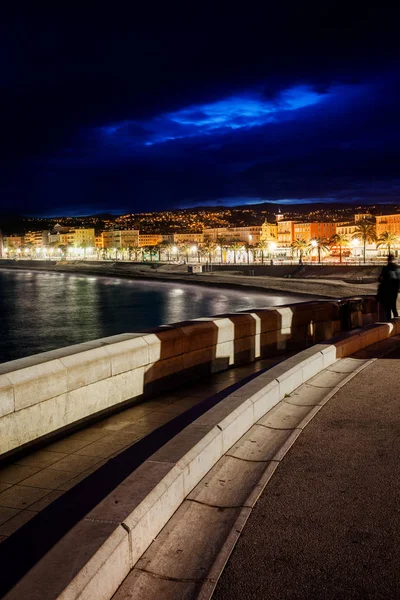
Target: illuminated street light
{"type": "Point", "coordinates": [314, 243]}
{"type": "Point", "coordinates": [272, 246]}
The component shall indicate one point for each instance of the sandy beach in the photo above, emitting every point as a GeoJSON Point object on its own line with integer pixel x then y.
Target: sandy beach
{"type": "Point", "coordinates": [328, 288]}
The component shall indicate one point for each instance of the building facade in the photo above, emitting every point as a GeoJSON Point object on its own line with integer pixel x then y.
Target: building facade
{"type": "Point", "coordinates": [250, 234]}
{"type": "Point", "coordinates": [313, 230]}
{"type": "Point", "coordinates": [269, 233]}
{"type": "Point", "coordinates": [285, 233]}
{"type": "Point", "coordinates": [38, 239]}
{"type": "Point", "coordinates": [119, 238]}
{"type": "Point", "coordinates": [84, 238]}
{"type": "Point", "coordinates": [14, 241]}
{"type": "Point", "coordinates": [150, 239]}
{"type": "Point", "coordinates": [188, 238]}
{"type": "Point", "coordinates": [389, 223]}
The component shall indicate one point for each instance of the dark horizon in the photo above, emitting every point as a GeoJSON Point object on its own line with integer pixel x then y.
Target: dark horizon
{"type": "Point", "coordinates": [287, 105]}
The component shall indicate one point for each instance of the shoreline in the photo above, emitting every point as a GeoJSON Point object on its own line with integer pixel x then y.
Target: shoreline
{"type": "Point", "coordinates": [322, 288]}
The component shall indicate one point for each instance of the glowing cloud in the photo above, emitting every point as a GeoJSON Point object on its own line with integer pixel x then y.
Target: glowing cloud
{"type": "Point", "coordinates": [237, 112]}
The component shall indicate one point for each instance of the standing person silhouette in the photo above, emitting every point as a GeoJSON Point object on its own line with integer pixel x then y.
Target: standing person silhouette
{"type": "Point", "coordinates": [389, 287]}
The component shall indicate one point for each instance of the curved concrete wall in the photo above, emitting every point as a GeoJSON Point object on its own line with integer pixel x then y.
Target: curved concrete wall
{"type": "Point", "coordinates": [43, 394]}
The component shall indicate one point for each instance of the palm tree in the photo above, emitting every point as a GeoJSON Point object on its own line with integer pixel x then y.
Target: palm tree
{"type": "Point", "coordinates": [387, 239]}
{"type": "Point", "coordinates": [302, 247]}
{"type": "Point", "coordinates": [208, 247]}
{"type": "Point", "coordinates": [236, 246]}
{"type": "Point", "coordinates": [184, 249]}
{"type": "Point", "coordinates": [147, 250]}
{"type": "Point", "coordinates": [322, 245]}
{"type": "Point", "coordinates": [248, 247]}
{"type": "Point", "coordinates": [84, 246]}
{"type": "Point", "coordinates": [263, 245]}
{"type": "Point", "coordinates": [221, 242]}
{"type": "Point", "coordinates": [340, 239]}
{"type": "Point", "coordinates": [164, 248]}
{"type": "Point", "coordinates": [366, 232]}
{"type": "Point", "coordinates": [158, 248]}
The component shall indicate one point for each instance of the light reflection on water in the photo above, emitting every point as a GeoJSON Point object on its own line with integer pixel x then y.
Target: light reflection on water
{"type": "Point", "coordinates": [41, 311]}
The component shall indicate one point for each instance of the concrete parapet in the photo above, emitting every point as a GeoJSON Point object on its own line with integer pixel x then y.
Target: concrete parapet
{"type": "Point", "coordinates": [43, 394]}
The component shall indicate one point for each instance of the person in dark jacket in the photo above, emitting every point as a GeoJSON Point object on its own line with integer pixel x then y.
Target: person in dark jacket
{"type": "Point", "coordinates": [389, 287]}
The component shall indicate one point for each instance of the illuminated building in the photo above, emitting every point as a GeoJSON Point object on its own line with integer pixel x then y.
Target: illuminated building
{"type": "Point", "coordinates": [124, 238]}
{"type": "Point", "coordinates": [84, 237]}
{"type": "Point", "coordinates": [14, 241]}
{"type": "Point", "coordinates": [250, 234]}
{"type": "Point", "coordinates": [389, 223]}
{"type": "Point", "coordinates": [364, 217]}
{"type": "Point", "coordinates": [346, 229]}
{"type": "Point", "coordinates": [269, 232]}
{"type": "Point", "coordinates": [309, 231]}
{"type": "Point", "coordinates": [150, 239]}
{"type": "Point", "coordinates": [285, 233]}
{"type": "Point", "coordinates": [190, 238]}
{"type": "Point", "coordinates": [62, 239]}
{"type": "Point", "coordinates": [38, 239]}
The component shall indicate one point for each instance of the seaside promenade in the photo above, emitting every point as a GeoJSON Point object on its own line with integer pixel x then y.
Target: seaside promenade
{"type": "Point", "coordinates": [279, 434]}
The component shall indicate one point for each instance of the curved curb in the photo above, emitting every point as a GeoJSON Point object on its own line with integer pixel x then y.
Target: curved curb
{"type": "Point", "coordinates": [207, 589]}
{"type": "Point", "coordinates": [93, 559]}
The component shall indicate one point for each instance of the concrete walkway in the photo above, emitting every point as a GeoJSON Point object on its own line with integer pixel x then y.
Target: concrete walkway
{"type": "Point", "coordinates": [327, 526]}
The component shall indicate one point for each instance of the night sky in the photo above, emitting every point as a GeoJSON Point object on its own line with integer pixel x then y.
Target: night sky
{"type": "Point", "coordinates": [198, 105]}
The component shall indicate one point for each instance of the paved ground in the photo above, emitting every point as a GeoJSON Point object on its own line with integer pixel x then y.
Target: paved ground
{"type": "Point", "coordinates": [328, 524]}
{"type": "Point", "coordinates": [31, 483]}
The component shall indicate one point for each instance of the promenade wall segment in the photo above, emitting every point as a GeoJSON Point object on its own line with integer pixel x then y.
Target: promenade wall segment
{"type": "Point", "coordinates": [46, 394]}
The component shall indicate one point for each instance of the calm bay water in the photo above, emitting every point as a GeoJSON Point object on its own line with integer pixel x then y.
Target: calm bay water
{"type": "Point", "coordinates": [41, 311]}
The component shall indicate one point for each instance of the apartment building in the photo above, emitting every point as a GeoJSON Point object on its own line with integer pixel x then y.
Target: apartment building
{"type": "Point", "coordinates": [84, 238]}
{"type": "Point", "coordinates": [38, 239]}
{"type": "Point", "coordinates": [150, 239]}
{"type": "Point", "coordinates": [389, 223]}
{"type": "Point", "coordinates": [123, 238]}
{"type": "Point", "coordinates": [188, 238]}
{"type": "Point", "coordinates": [346, 229]}
{"type": "Point", "coordinates": [250, 234]}
{"type": "Point", "coordinates": [285, 233]}
{"type": "Point", "coordinates": [309, 231]}
{"type": "Point", "coordinates": [62, 238]}
{"type": "Point", "coordinates": [14, 241]}
{"type": "Point", "coordinates": [269, 232]}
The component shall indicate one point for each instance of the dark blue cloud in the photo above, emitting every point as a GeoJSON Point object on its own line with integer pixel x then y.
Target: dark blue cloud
{"type": "Point", "coordinates": [245, 111]}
